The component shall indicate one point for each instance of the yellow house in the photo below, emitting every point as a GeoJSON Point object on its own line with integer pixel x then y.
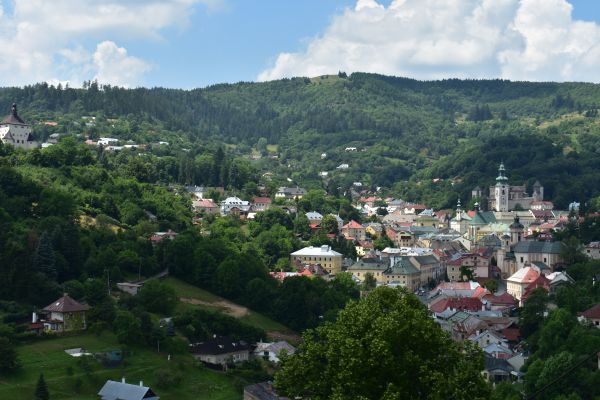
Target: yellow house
{"type": "Point", "coordinates": [405, 274]}
{"type": "Point", "coordinates": [324, 256]}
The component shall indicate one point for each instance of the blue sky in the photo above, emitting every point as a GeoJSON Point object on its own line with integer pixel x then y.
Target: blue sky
{"type": "Point", "coordinates": [194, 43]}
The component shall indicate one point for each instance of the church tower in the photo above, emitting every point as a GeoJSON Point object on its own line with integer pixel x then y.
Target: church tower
{"type": "Point", "coordinates": [538, 191]}
{"type": "Point", "coordinates": [501, 190]}
{"type": "Point", "coordinates": [516, 231]}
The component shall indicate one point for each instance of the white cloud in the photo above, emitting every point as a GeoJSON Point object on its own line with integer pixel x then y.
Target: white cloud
{"type": "Point", "coordinates": [114, 65]}
{"type": "Point", "coordinates": [46, 40]}
{"type": "Point", "coordinates": [432, 39]}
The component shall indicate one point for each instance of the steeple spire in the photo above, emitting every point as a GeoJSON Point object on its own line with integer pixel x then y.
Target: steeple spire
{"type": "Point", "coordinates": [501, 170]}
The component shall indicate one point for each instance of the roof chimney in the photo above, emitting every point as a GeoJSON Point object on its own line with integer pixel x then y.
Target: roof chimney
{"type": "Point", "coordinates": [141, 383]}
{"type": "Point", "coordinates": [123, 380]}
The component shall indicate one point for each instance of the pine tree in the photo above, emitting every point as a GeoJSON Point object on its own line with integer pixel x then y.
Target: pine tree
{"type": "Point", "coordinates": [41, 390]}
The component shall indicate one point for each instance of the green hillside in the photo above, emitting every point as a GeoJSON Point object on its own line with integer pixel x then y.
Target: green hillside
{"type": "Point", "coordinates": [405, 130]}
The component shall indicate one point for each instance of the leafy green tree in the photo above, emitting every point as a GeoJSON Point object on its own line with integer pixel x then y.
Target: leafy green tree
{"type": "Point", "coordinates": [491, 285]}
{"type": "Point", "coordinates": [41, 389]}
{"type": "Point", "coordinates": [329, 224]}
{"type": "Point", "coordinates": [9, 359]}
{"type": "Point", "coordinates": [532, 314]}
{"type": "Point", "coordinates": [572, 251]}
{"type": "Point", "coordinates": [157, 297]}
{"type": "Point", "coordinates": [466, 273]}
{"type": "Point", "coordinates": [370, 352]}
{"type": "Point", "coordinates": [370, 282]}
{"type": "Point", "coordinates": [127, 327]}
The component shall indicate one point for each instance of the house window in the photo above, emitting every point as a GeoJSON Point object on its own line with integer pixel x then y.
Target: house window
{"type": "Point", "coordinates": [544, 259]}
{"type": "Point", "coordinates": [521, 259]}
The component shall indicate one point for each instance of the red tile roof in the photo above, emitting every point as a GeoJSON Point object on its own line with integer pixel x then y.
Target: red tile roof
{"type": "Point", "coordinates": [262, 200]}
{"type": "Point", "coordinates": [503, 299]}
{"type": "Point", "coordinates": [462, 304]}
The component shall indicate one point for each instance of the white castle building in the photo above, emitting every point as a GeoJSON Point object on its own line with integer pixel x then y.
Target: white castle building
{"type": "Point", "coordinates": [14, 131]}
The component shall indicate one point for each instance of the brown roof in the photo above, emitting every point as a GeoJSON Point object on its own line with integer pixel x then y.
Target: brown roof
{"type": "Point", "coordinates": [66, 304]}
{"type": "Point", "coordinates": [13, 118]}
{"type": "Point", "coordinates": [592, 313]}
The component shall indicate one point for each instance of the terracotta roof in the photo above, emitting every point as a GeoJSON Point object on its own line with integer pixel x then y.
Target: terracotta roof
{"type": "Point", "coordinates": [352, 225]}
{"type": "Point", "coordinates": [66, 304]}
{"type": "Point", "coordinates": [263, 200]}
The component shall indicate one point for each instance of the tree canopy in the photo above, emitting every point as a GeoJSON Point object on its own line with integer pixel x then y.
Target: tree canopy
{"type": "Point", "coordinates": [384, 346]}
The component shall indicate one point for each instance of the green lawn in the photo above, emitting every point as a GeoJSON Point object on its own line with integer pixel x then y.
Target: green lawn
{"type": "Point", "coordinates": [48, 356]}
{"type": "Point", "coordinates": [184, 289]}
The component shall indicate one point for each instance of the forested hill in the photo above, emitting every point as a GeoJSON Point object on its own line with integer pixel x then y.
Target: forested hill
{"type": "Point", "coordinates": [407, 132]}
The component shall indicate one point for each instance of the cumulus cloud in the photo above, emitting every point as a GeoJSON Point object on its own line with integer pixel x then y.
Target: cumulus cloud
{"type": "Point", "coordinates": [432, 39]}
{"type": "Point", "coordinates": [45, 40]}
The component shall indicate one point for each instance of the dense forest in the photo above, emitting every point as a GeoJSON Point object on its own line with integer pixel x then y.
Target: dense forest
{"type": "Point", "coordinates": [407, 132]}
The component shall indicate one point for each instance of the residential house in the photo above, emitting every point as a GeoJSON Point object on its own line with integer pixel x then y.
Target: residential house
{"type": "Point", "coordinates": [522, 282]}
{"type": "Point", "coordinates": [503, 302]}
{"type": "Point", "coordinates": [413, 208]}
{"type": "Point", "coordinates": [260, 204]}
{"type": "Point", "coordinates": [487, 337]}
{"type": "Point", "coordinates": [496, 369]}
{"type": "Point", "coordinates": [354, 230]}
{"type": "Point", "coordinates": [499, 351]}
{"type": "Point", "coordinates": [16, 132]}
{"type": "Point", "coordinates": [458, 289]}
{"type": "Point", "coordinates": [479, 265]}
{"type": "Point", "coordinates": [262, 391]}
{"type": "Point", "coordinates": [272, 351]}
{"type": "Point", "coordinates": [314, 218]}
{"type": "Point", "coordinates": [158, 237]}
{"type": "Point", "coordinates": [290, 193]}
{"type": "Point", "coordinates": [592, 315]}
{"type": "Point", "coordinates": [205, 205]}
{"type": "Point", "coordinates": [373, 229]}
{"type": "Point", "coordinates": [374, 266]}
{"type": "Point", "coordinates": [220, 351]}
{"type": "Point", "coordinates": [324, 256]}
{"type": "Point", "coordinates": [454, 304]}
{"type": "Point", "coordinates": [63, 315]}
{"type": "Point", "coordinates": [113, 390]}
{"type": "Point", "coordinates": [363, 247]}
{"type": "Point", "coordinates": [592, 250]}
{"type": "Point", "coordinates": [413, 272]}
{"type": "Point", "coordinates": [235, 206]}
{"type": "Point", "coordinates": [403, 273]}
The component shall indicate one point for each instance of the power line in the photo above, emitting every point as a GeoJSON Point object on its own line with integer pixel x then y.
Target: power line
{"type": "Point", "coordinates": [564, 374]}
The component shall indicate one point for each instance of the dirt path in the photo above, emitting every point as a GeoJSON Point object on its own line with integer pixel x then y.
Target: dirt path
{"type": "Point", "coordinates": [235, 310]}
{"type": "Point", "coordinates": [293, 338]}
